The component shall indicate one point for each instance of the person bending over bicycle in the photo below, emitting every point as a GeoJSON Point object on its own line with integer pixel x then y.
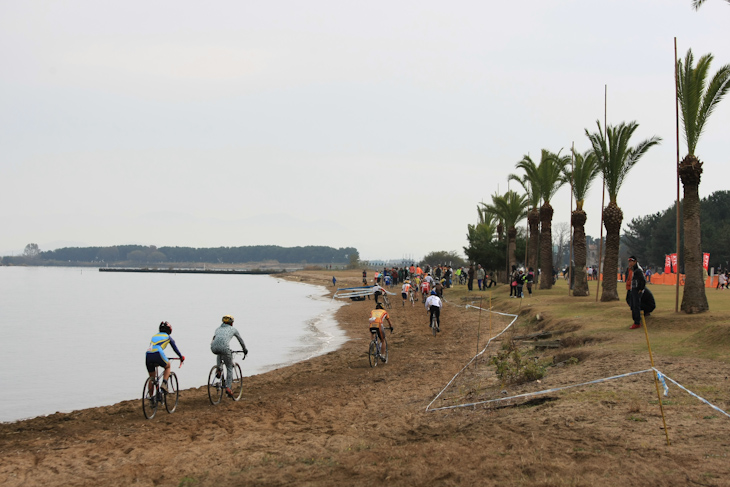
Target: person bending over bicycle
{"type": "Point", "coordinates": [221, 348]}
{"type": "Point", "coordinates": [405, 291]}
{"type": "Point", "coordinates": [156, 354]}
{"type": "Point", "coordinates": [376, 321]}
{"type": "Point", "coordinates": [377, 292]}
{"type": "Point", "coordinates": [433, 307]}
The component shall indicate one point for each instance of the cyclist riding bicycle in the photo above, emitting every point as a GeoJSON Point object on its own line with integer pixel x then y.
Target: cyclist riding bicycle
{"type": "Point", "coordinates": [425, 289]}
{"type": "Point", "coordinates": [221, 348]}
{"type": "Point", "coordinates": [155, 355]}
{"type": "Point", "coordinates": [433, 307]}
{"type": "Point", "coordinates": [376, 325]}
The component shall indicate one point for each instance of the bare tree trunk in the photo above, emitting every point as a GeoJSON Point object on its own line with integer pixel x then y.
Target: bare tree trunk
{"type": "Point", "coordinates": [533, 219]}
{"type": "Point", "coordinates": [512, 246]}
{"type": "Point", "coordinates": [546, 246]}
{"type": "Point", "coordinates": [612, 218]}
{"type": "Point", "coordinates": [580, 286]}
{"type": "Point", "coordinates": [694, 299]}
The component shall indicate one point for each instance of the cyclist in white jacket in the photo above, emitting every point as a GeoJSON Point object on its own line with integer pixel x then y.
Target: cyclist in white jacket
{"type": "Point", "coordinates": [433, 307]}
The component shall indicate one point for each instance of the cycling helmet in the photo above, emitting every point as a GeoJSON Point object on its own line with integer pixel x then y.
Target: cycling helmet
{"type": "Point", "coordinates": [228, 319]}
{"type": "Point", "coordinates": [165, 327]}
{"type": "Point", "coordinates": [378, 306]}
{"type": "Point", "coordinates": [433, 293]}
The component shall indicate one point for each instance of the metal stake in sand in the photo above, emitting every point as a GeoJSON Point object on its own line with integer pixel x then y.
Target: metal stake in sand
{"type": "Point", "coordinates": [656, 380]}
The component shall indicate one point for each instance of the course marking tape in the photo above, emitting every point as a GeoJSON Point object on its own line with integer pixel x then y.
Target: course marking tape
{"type": "Point", "coordinates": [474, 357]}
{"type": "Point", "coordinates": [539, 393]}
{"type": "Point", "coordinates": [691, 393]}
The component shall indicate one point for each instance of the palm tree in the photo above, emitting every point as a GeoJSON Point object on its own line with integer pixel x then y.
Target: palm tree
{"type": "Point", "coordinates": [530, 185]}
{"type": "Point", "coordinates": [550, 177]}
{"type": "Point", "coordinates": [511, 208]}
{"type": "Point", "coordinates": [615, 158]}
{"type": "Point", "coordinates": [697, 101]}
{"type": "Point", "coordinates": [585, 170]}
{"type": "Point", "coordinates": [698, 3]}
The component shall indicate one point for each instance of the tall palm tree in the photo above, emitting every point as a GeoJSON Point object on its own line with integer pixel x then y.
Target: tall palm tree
{"type": "Point", "coordinates": [616, 159]}
{"type": "Point", "coordinates": [585, 170]}
{"type": "Point", "coordinates": [550, 176]}
{"type": "Point", "coordinates": [511, 208]}
{"type": "Point", "coordinates": [697, 100]}
{"type": "Point", "coordinates": [530, 185]}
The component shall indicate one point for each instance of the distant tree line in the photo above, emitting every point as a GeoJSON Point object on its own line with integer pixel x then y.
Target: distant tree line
{"type": "Point", "coordinates": [140, 254]}
{"type": "Point", "coordinates": [652, 237]}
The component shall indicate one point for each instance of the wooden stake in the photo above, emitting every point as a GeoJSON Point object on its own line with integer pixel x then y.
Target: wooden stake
{"type": "Point", "coordinates": [603, 198]}
{"type": "Point", "coordinates": [656, 380]}
{"type": "Point", "coordinates": [676, 107]}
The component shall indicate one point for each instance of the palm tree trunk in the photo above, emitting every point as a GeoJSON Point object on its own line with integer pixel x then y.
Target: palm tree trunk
{"type": "Point", "coordinates": [533, 219]}
{"type": "Point", "coordinates": [546, 246]}
{"type": "Point", "coordinates": [580, 285]}
{"type": "Point", "coordinates": [694, 299]}
{"type": "Point", "coordinates": [612, 218]}
{"type": "Point", "coordinates": [512, 245]}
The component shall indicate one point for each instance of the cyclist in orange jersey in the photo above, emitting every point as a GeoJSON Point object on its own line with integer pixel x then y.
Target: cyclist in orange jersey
{"type": "Point", "coordinates": [376, 321]}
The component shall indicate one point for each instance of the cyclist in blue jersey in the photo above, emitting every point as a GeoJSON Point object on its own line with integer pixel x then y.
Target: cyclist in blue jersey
{"type": "Point", "coordinates": [221, 348]}
{"type": "Point", "coordinates": [156, 354]}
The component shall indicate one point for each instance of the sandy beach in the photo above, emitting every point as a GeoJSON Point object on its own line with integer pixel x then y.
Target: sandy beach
{"type": "Point", "coordinates": [334, 420]}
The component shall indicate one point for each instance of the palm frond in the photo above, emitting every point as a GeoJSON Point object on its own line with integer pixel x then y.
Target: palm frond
{"type": "Point", "coordinates": [614, 156]}
{"type": "Point", "coordinates": [585, 170]}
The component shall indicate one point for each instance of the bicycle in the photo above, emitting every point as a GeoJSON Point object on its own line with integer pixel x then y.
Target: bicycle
{"type": "Point", "coordinates": [434, 324]}
{"type": "Point", "coordinates": [386, 301]}
{"type": "Point", "coordinates": [217, 382]}
{"type": "Point", "coordinates": [374, 351]}
{"type": "Point", "coordinates": [150, 401]}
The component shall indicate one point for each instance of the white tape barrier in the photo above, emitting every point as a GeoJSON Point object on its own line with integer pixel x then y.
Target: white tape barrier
{"type": "Point", "coordinates": [660, 376]}
{"type": "Point", "coordinates": [475, 356]}
{"type": "Point", "coordinates": [664, 376]}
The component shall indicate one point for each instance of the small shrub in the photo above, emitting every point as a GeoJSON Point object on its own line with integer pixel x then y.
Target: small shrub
{"type": "Point", "coordinates": [513, 368]}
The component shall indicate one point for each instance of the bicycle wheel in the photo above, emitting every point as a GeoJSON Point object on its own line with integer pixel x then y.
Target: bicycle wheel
{"type": "Point", "coordinates": [237, 383]}
{"type": "Point", "coordinates": [173, 393]}
{"type": "Point", "coordinates": [215, 386]}
{"type": "Point", "coordinates": [373, 354]}
{"type": "Point", "coordinates": [433, 324]}
{"type": "Point", "coordinates": [149, 402]}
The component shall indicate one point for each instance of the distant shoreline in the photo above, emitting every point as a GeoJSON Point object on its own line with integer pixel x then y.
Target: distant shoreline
{"type": "Point", "coordinates": [191, 271]}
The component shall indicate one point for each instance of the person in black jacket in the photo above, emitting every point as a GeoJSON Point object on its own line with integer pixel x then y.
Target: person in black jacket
{"type": "Point", "coordinates": [638, 282]}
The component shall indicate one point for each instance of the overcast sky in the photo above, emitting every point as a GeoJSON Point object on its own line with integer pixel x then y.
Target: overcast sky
{"type": "Point", "coordinates": [378, 125]}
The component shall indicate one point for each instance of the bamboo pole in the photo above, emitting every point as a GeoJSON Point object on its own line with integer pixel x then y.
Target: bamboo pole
{"type": "Point", "coordinates": [603, 197]}
{"type": "Point", "coordinates": [656, 380]}
{"type": "Point", "coordinates": [676, 107]}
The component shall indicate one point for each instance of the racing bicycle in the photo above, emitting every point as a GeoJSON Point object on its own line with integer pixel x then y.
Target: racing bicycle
{"type": "Point", "coordinates": [217, 382]}
{"type": "Point", "coordinates": [153, 395]}
{"type": "Point", "coordinates": [434, 324]}
{"type": "Point", "coordinates": [376, 346]}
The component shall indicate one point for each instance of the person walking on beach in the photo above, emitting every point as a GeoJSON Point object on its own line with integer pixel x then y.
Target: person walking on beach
{"type": "Point", "coordinates": [220, 346]}
{"type": "Point", "coordinates": [155, 355]}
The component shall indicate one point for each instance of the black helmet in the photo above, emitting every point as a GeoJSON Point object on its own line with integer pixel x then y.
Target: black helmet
{"type": "Point", "coordinates": [165, 327]}
{"type": "Point", "coordinates": [379, 306]}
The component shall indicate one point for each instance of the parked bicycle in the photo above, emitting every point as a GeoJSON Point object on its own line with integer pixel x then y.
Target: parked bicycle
{"type": "Point", "coordinates": [376, 346]}
{"type": "Point", "coordinates": [217, 382]}
{"type": "Point", "coordinates": [153, 395]}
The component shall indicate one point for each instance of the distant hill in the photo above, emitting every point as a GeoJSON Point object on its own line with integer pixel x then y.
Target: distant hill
{"type": "Point", "coordinates": [145, 255]}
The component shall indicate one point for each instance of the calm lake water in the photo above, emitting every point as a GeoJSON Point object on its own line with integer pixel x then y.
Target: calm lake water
{"type": "Point", "coordinates": [73, 338]}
